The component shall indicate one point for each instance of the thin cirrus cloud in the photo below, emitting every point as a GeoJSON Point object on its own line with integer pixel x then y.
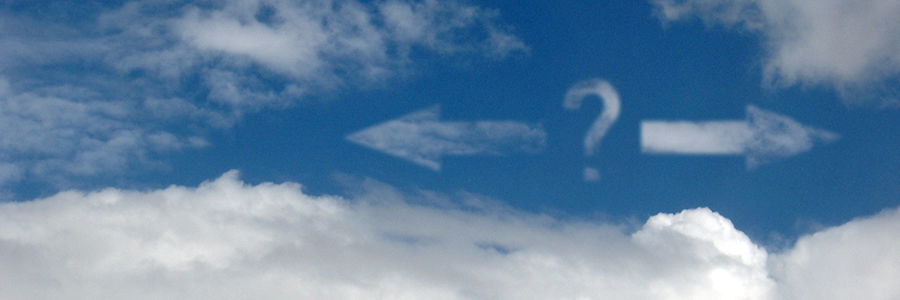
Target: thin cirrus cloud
{"type": "Point", "coordinates": [229, 240]}
{"type": "Point", "coordinates": [118, 86]}
{"type": "Point", "coordinates": [853, 46]}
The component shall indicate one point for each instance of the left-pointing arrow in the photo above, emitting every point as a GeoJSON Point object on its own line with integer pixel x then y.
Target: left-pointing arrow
{"type": "Point", "coordinates": [422, 139]}
{"type": "Point", "coordinates": [762, 137]}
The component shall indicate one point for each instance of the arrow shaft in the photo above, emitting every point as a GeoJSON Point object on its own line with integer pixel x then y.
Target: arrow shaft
{"type": "Point", "coordinates": [699, 138]}
{"type": "Point", "coordinates": [423, 139]}
{"type": "Point", "coordinates": [485, 137]}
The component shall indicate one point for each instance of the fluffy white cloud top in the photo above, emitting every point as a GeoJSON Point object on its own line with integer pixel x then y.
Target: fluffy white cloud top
{"type": "Point", "coordinates": [851, 45]}
{"type": "Point", "coordinates": [857, 260]}
{"type": "Point", "coordinates": [229, 240]}
{"type": "Point", "coordinates": [89, 88]}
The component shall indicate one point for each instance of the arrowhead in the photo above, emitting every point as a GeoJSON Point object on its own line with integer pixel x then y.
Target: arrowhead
{"type": "Point", "coordinates": [775, 136]}
{"type": "Point", "coordinates": [403, 138]}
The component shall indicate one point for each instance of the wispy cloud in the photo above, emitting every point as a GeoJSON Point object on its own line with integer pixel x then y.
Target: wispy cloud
{"type": "Point", "coordinates": [226, 239]}
{"type": "Point", "coordinates": [851, 45]}
{"type": "Point", "coordinates": [87, 89]}
{"type": "Point", "coordinates": [310, 45]}
{"type": "Point", "coordinates": [64, 131]}
{"type": "Point", "coordinates": [421, 138]}
{"type": "Point", "coordinates": [776, 136]}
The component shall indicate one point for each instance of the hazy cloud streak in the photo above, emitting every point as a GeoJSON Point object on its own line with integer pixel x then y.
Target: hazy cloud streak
{"type": "Point", "coordinates": [111, 89]}
{"type": "Point", "coordinates": [423, 139]}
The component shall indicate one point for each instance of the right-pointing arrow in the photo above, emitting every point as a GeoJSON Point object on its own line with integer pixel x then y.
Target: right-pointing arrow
{"type": "Point", "coordinates": [763, 137]}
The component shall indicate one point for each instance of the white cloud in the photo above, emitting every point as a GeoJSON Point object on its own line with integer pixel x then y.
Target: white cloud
{"type": "Point", "coordinates": [762, 137]}
{"type": "Point", "coordinates": [51, 136]}
{"type": "Point", "coordinates": [591, 175]}
{"type": "Point", "coordinates": [228, 240]}
{"type": "Point", "coordinates": [852, 45]}
{"type": "Point", "coordinates": [612, 106]}
{"type": "Point", "coordinates": [776, 136]}
{"type": "Point", "coordinates": [857, 260]}
{"type": "Point", "coordinates": [314, 45]}
{"type": "Point", "coordinates": [717, 261]}
{"type": "Point", "coordinates": [686, 137]}
{"type": "Point", "coordinates": [421, 138]}
{"type": "Point", "coordinates": [106, 91]}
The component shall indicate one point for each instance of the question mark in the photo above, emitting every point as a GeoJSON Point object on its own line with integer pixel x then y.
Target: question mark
{"type": "Point", "coordinates": [611, 107]}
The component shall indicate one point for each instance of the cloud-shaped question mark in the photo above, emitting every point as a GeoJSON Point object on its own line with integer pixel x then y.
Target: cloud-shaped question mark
{"type": "Point", "coordinates": [611, 108]}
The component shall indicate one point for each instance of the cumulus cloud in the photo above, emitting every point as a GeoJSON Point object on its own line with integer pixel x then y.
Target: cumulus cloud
{"type": "Point", "coordinates": [229, 240]}
{"type": "Point", "coordinates": [851, 45]}
{"type": "Point", "coordinates": [87, 89]}
{"type": "Point", "coordinates": [857, 260]}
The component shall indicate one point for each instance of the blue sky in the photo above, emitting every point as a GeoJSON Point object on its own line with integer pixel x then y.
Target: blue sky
{"type": "Point", "coordinates": [153, 100]}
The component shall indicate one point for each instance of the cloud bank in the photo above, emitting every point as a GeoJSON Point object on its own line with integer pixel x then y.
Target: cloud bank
{"type": "Point", "coordinates": [229, 240]}
{"type": "Point", "coordinates": [130, 81]}
{"type": "Point", "coordinates": [853, 46]}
